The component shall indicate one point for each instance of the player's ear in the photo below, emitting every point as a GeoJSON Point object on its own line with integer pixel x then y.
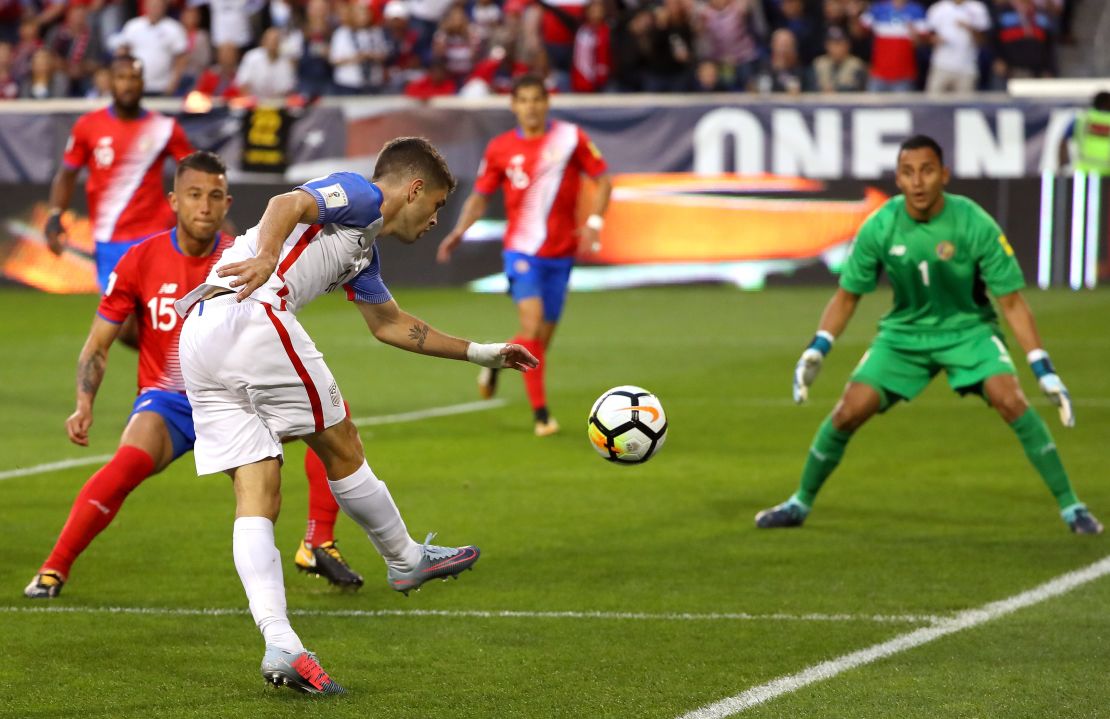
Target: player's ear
{"type": "Point", "coordinates": [173, 201]}
{"type": "Point", "coordinates": [416, 188]}
{"type": "Point", "coordinates": [946, 174]}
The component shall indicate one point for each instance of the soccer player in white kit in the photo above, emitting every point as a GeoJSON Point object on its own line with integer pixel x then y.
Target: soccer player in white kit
{"type": "Point", "coordinates": [255, 378]}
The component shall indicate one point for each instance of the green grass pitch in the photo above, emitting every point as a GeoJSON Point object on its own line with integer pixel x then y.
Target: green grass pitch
{"type": "Point", "coordinates": [934, 510]}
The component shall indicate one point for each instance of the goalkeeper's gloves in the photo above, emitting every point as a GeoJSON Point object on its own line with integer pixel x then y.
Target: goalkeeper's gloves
{"type": "Point", "coordinates": [1052, 386]}
{"type": "Point", "coordinates": [805, 372]}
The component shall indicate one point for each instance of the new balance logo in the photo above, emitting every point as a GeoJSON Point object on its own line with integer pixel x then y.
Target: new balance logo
{"type": "Point", "coordinates": [898, 250]}
{"type": "Point", "coordinates": [168, 288]}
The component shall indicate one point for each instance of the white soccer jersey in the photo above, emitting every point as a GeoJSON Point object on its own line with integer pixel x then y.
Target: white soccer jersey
{"type": "Point", "coordinates": [316, 259]}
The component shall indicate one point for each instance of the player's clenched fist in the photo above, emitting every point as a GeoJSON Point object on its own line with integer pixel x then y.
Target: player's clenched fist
{"type": "Point", "coordinates": [809, 364]}
{"type": "Point", "coordinates": [77, 426]}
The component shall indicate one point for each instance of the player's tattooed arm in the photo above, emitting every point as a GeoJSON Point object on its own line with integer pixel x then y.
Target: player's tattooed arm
{"type": "Point", "coordinates": [90, 372]}
{"type": "Point", "coordinates": [419, 333]}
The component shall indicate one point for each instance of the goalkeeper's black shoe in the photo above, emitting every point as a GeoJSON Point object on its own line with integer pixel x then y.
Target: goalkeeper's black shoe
{"type": "Point", "coordinates": [787, 514]}
{"type": "Point", "coordinates": [1081, 521]}
{"type": "Point", "coordinates": [326, 561]}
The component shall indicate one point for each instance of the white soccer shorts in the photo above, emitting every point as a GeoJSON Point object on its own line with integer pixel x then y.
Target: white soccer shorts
{"type": "Point", "coordinates": [254, 377]}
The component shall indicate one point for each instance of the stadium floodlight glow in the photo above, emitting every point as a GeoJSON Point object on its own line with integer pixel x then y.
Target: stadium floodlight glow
{"type": "Point", "coordinates": [1078, 215]}
{"type": "Point", "coordinates": [1094, 210]}
{"type": "Point", "coordinates": [1044, 244]}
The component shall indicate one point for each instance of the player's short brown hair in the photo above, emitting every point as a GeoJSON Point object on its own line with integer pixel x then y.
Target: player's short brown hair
{"type": "Point", "coordinates": [414, 157]}
{"type": "Point", "coordinates": [202, 161]}
{"type": "Point", "coordinates": [529, 80]}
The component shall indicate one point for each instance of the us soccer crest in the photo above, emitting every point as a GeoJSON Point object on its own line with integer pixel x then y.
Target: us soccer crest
{"type": "Point", "coordinates": [946, 250]}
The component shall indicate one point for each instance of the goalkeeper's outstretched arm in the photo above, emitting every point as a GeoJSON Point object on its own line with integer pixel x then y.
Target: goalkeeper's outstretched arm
{"type": "Point", "coordinates": [834, 319]}
{"type": "Point", "coordinates": [1020, 318]}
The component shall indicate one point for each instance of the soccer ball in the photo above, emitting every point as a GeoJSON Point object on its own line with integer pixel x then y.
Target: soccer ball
{"type": "Point", "coordinates": [627, 425]}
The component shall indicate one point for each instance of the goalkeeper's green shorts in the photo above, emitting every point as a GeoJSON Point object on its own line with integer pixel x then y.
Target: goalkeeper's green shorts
{"type": "Point", "coordinates": [899, 368]}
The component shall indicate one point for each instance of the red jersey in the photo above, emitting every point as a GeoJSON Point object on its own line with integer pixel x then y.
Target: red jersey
{"type": "Point", "coordinates": [149, 278]}
{"type": "Point", "coordinates": [126, 198]}
{"type": "Point", "coordinates": [540, 178]}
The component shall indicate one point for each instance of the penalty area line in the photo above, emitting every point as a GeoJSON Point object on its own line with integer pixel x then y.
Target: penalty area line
{"type": "Point", "coordinates": [376, 421]}
{"type": "Point", "coordinates": [957, 623]}
{"type": "Point", "coordinates": [490, 614]}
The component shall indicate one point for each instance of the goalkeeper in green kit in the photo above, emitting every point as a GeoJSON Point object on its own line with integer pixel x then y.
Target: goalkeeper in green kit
{"type": "Point", "coordinates": [942, 253]}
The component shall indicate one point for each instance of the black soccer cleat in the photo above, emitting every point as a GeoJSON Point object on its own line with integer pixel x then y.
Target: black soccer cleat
{"type": "Point", "coordinates": [326, 561]}
{"type": "Point", "coordinates": [787, 514]}
{"type": "Point", "coordinates": [1081, 521]}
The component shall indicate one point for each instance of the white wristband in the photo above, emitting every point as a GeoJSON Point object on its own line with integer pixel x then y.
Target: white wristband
{"type": "Point", "coordinates": [595, 222]}
{"type": "Point", "coordinates": [488, 355]}
{"type": "Point", "coordinates": [1036, 355]}
{"type": "Point", "coordinates": [826, 335]}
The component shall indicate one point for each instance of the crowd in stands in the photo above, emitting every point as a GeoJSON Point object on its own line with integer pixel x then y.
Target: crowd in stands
{"type": "Point", "coordinates": [275, 49]}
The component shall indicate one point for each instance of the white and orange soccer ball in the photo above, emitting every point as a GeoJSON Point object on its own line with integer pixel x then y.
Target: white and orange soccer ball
{"type": "Point", "coordinates": [627, 425]}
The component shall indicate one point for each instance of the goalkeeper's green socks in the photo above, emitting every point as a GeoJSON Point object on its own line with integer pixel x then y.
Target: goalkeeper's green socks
{"type": "Point", "coordinates": [1041, 451]}
{"type": "Point", "coordinates": [824, 455]}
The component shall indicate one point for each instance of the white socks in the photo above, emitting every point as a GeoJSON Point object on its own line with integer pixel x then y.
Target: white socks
{"type": "Point", "coordinates": [259, 565]}
{"type": "Point", "coordinates": [366, 499]}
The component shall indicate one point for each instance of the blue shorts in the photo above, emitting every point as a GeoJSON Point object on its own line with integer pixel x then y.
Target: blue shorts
{"type": "Point", "coordinates": [543, 277]}
{"type": "Point", "coordinates": [108, 255]}
{"type": "Point", "coordinates": [177, 413]}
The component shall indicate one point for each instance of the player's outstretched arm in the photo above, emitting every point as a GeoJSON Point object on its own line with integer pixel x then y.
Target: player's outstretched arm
{"type": "Point", "coordinates": [1020, 319]}
{"type": "Point", "coordinates": [61, 192]}
{"type": "Point", "coordinates": [392, 325]}
{"type": "Point", "coordinates": [834, 319]}
{"type": "Point", "coordinates": [283, 213]}
{"type": "Point", "coordinates": [90, 373]}
{"type": "Point", "coordinates": [473, 210]}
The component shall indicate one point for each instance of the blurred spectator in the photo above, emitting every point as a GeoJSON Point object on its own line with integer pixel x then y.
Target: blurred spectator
{"type": "Point", "coordinates": [78, 48]}
{"type": "Point", "coordinates": [218, 81]}
{"type": "Point", "coordinates": [896, 27]}
{"type": "Point", "coordinates": [806, 29]}
{"type": "Point", "coordinates": [44, 81]}
{"type": "Point", "coordinates": [539, 64]}
{"type": "Point", "coordinates": [159, 43]}
{"type": "Point", "coordinates": [310, 47]}
{"type": "Point", "coordinates": [9, 88]}
{"type": "Point", "coordinates": [402, 62]}
{"type": "Point", "coordinates": [784, 71]}
{"type": "Point", "coordinates": [1023, 40]}
{"type": "Point", "coordinates": [435, 82]}
{"type": "Point", "coordinates": [11, 13]}
{"type": "Point", "coordinates": [727, 37]}
{"type": "Point", "coordinates": [495, 74]}
{"type": "Point", "coordinates": [558, 22]}
{"type": "Point", "coordinates": [231, 20]}
{"type": "Point", "coordinates": [633, 44]}
{"type": "Point", "coordinates": [358, 52]}
{"type": "Point", "coordinates": [25, 49]}
{"type": "Point", "coordinates": [265, 72]}
{"type": "Point", "coordinates": [457, 42]}
{"type": "Point", "coordinates": [100, 85]}
{"type": "Point", "coordinates": [486, 16]}
{"type": "Point", "coordinates": [198, 48]}
{"type": "Point", "coordinates": [707, 78]}
{"type": "Point", "coordinates": [838, 70]}
{"type": "Point", "coordinates": [958, 28]}
{"type": "Point", "coordinates": [592, 51]}
{"type": "Point", "coordinates": [425, 17]}
{"type": "Point", "coordinates": [670, 67]}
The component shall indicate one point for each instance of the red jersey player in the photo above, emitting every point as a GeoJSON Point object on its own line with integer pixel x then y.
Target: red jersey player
{"type": "Point", "coordinates": [124, 147]}
{"type": "Point", "coordinates": [538, 167]}
{"type": "Point", "coordinates": [147, 281]}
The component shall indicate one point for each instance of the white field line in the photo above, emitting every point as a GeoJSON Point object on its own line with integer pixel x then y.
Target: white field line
{"type": "Point", "coordinates": [963, 620]}
{"type": "Point", "coordinates": [414, 416]}
{"type": "Point", "coordinates": [493, 614]}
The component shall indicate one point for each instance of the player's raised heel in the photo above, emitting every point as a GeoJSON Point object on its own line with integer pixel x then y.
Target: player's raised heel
{"type": "Point", "coordinates": [297, 671]}
{"type": "Point", "coordinates": [1081, 521]}
{"type": "Point", "coordinates": [487, 383]}
{"type": "Point", "coordinates": [547, 428]}
{"type": "Point", "coordinates": [787, 514]}
{"type": "Point", "coordinates": [435, 563]}
{"type": "Point", "coordinates": [326, 561]}
{"type": "Point", "coordinates": [46, 585]}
